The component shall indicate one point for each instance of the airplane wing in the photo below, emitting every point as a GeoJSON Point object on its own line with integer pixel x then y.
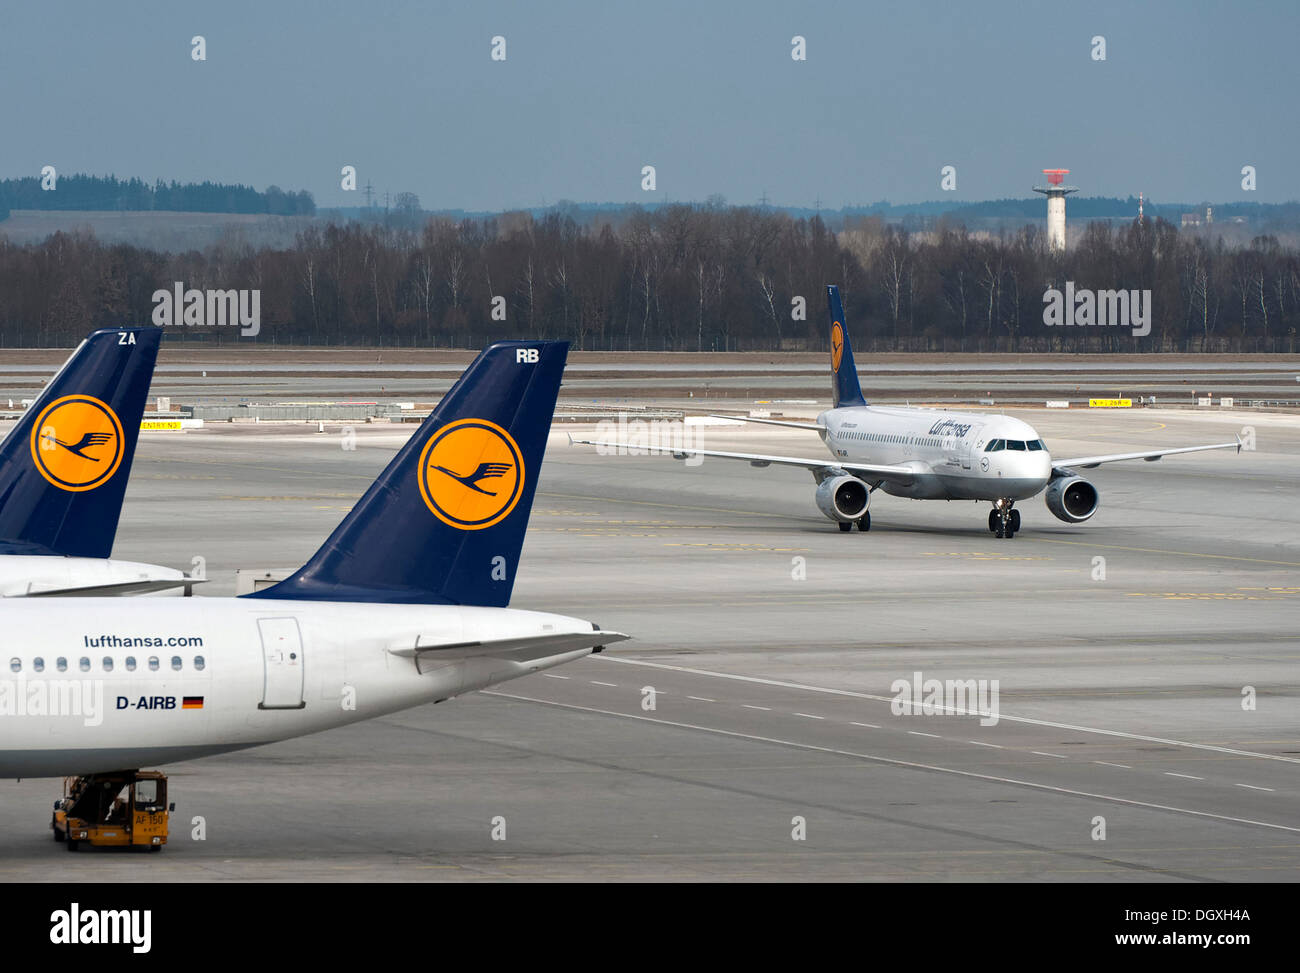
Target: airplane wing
{"type": "Point", "coordinates": [769, 422]}
{"type": "Point", "coordinates": [869, 471]}
{"type": "Point", "coordinates": [520, 650]}
{"type": "Point", "coordinates": [1090, 462]}
{"type": "Point", "coordinates": [114, 589]}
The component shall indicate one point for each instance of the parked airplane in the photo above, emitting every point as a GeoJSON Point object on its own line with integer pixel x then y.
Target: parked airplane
{"type": "Point", "coordinates": [404, 604]}
{"type": "Point", "coordinates": [925, 454]}
{"type": "Point", "coordinates": [63, 473]}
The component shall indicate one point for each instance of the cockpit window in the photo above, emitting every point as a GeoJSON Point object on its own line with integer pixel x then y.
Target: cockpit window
{"type": "Point", "coordinates": [996, 445]}
{"type": "Point", "coordinates": [1016, 444]}
{"type": "Point", "coordinates": [1036, 444]}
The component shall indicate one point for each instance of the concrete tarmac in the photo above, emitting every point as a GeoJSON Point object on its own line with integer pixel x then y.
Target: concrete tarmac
{"type": "Point", "coordinates": [1156, 689]}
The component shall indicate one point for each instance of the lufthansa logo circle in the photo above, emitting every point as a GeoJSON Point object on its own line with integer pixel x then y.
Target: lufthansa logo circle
{"type": "Point", "coordinates": [837, 346]}
{"type": "Point", "coordinates": [77, 443]}
{"type": "Point", "coordinates": [471, 474]}
{"type": "Point", "coordinates": [984, 463]}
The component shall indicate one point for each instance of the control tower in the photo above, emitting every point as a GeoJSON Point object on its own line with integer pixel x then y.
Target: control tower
{"type": "Point", "coordinates": [1056, 194]}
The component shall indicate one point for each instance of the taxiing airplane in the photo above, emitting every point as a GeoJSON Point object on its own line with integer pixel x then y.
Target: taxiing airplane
{"type": "Point", "coordinates": [925, 454]}
{"type": "Point", "coordinates": [63, 474]}
{"type": "Point", "coordinates": [404, 604]}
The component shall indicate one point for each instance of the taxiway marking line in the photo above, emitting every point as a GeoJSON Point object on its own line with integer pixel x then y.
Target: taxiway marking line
{"type": "Point", "coordinates": [892, 761]}
{"type": "Point", "coordinates": [781, 684]}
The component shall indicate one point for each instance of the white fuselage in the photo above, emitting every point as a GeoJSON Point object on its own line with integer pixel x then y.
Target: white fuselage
{"type": "Point", "coordinates": [948, 450]}
{"type": "Point", "coordinates": [31, 574]}
{"type": "Point", "coordinates": [97, 684]}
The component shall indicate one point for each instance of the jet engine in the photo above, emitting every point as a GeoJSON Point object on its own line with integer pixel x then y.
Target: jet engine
{"type": "Point", "coordinates": [1072, 499]}
{"type": "Point", "coordinates": [843, 499]}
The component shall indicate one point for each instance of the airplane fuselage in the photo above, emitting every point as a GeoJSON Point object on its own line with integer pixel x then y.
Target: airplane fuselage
{"type": "Point", "coordinates": [92, 685]}
{"type": "Point", "coordinates": [948, 450]}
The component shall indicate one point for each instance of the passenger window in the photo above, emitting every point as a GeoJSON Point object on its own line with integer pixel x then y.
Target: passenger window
{"type": "Point", "coordinates": [200, 663]}
{"type": "Point", "coordinates": [38, 664]}
{"type": "Point", "coordinates": [15, 664]}
{"type": "Point", "coordinates": [176, 663]}
{"type": "Point", "coordinates": [130, 663]}
{"type": "Point", "coordinates": [61, 664]}
{"type": "Point", "coordinates": [84, 664]}
{"type": "Point", "coordinates": [153, 663]}
{"type": "Point", "coordinates": [108, 664]}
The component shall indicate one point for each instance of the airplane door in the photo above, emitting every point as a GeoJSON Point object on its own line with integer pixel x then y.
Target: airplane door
{"type": "Point", "coordinates": [963, 450]}
{"type": "Point", "coordinates": [282, 654]}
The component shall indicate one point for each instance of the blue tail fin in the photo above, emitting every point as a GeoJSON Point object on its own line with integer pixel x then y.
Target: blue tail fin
{"type": "Point", "coordinates": [845, 390]}
{"type": "Point", "coordinates": [445, 522]}
{"type": "Point", "coordinates": [64, 466]}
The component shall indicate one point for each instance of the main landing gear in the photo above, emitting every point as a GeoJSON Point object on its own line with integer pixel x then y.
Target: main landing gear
{"type": "Point", "coordinates": [863, 522]}
{"type": "Point", "coordinates": [1004, 519]}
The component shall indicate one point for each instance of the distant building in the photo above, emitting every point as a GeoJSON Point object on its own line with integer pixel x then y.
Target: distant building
{"type": "Point", "coordinates": [1190, 219]}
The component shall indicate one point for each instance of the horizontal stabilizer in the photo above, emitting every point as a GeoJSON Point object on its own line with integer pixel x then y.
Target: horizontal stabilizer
{"type": "Point", "coordinates": [117, 588]}
{"type": "Point", "coordinates": [516, 649]}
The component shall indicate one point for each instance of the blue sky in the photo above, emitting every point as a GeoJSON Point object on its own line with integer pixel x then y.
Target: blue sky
{"type": "Point", "coordinates": [706, 92]}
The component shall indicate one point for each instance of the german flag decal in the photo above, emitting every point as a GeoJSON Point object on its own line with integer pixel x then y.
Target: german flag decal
{"type": "Point", "coordinates": [192, 702]}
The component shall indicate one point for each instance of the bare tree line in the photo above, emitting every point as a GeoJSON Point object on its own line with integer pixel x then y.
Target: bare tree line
{"type": "Point", "coordinates": [682, 278]}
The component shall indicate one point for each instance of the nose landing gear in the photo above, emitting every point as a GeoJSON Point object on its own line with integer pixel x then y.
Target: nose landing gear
{"type": "Point", "coordinates": [1004, 519]}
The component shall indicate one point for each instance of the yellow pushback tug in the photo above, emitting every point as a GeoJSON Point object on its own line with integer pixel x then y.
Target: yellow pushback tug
{"type": "Point", "coordinates": [124, 809]}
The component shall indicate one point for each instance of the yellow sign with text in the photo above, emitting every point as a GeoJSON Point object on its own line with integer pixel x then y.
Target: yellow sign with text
{"type": "Point", "coordinates": [160, 425]}
{"type": "Point", "coordinates": [1110, 403]}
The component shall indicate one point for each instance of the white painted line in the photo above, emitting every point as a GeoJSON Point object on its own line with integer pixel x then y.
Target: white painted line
{"type": "Point", "coordinates": [702, 699]}
{"type": "Point", "coordinates": [765, 709]}
{"type": "Point", "coordinates": [918, 733]}
{"type": "Point", "coordinates": [1056, 755]}
{"type": "Point", "coordinates": [868, 725]}
{"type": "Point", "coordinates": [1002, 716]}
{"type": "Point", "coordinates": [597, 682]}
{"type": "Point", "coordinates": [1106, 764]}
{"type": "Point", "coordinates": [995, 746]}
{"type": "Point", "coordinates": [895, 762]}
{"type": "Point", "coordinates": [1254, 788]}
{"type": "Point", "coordinates": [809, 716]}
{"type": "Point", "coordinates": [551, 675]}
{"type": "Point", "coordinates": [1187, 776]}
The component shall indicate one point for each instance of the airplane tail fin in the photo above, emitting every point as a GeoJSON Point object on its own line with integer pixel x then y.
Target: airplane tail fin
{"type": "Point", "coordinates": [65, 465]}
{"type": "Point", "coordinates": [444, 523]}
{"type": "Point", "coordinates": [845, 390]}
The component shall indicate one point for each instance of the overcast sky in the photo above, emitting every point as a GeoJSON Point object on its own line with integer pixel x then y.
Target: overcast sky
{"type": "Point", "coordinates": [707, 92]}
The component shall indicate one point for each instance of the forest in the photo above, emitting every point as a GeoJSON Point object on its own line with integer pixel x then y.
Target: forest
{"type": "Point", "coordinates": [100, 193]}
{"type": "Point", "coordinates": [679, 278]}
